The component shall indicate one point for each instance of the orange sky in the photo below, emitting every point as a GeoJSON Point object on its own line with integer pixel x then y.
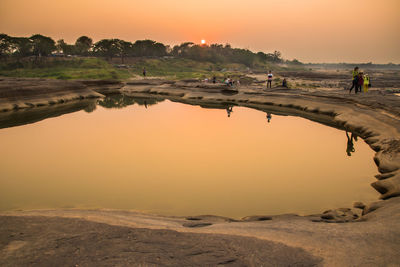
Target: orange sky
{"type": "Point", "coordinates": [310, 30]}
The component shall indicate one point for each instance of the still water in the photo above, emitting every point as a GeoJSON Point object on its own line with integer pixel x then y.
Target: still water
{"type": "Point", "coordinates": [176, 159]}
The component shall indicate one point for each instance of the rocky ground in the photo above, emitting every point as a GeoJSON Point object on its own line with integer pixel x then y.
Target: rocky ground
{"type": "Point", "coordinates": [367, 235]}
{"type": "Point", "coordinates": [55, 241]}
{"type": "Point", "coordinates": [28, 93]}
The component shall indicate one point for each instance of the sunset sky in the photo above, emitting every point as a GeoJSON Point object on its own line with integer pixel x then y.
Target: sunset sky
{"type": "Point", "coordinates": [309, 30]}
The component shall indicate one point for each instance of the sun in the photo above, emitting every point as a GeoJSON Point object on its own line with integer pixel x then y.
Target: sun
{"type": "Point", "coordinates": [203, 41]}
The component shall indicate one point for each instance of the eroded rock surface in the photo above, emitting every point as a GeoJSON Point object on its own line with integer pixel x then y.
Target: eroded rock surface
{"type": "Point", "coordinates": [372, 237]}
{"type": "Point", "coordinates": [44, 241]}
{"type": "Point", "coordinates": [21, 93]}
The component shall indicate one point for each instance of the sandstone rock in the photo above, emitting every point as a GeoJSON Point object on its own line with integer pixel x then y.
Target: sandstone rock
{"type": "Point", "coordinates": [359, 205]}
{"type": "Point", "coordinates": [256, 218]}
{"type": "Point", "coordinates": [384, 175]}
{"type": "Point", "coordinates": [372, 207]}
{"type": "Point", "coordinates": [389, 187]}
{"type": "Point", "coordinates": [340, 215]}
{"type": "Point", "coordinates": [196, 224]}
{"type": "Point", "coordinates": [386, 162]}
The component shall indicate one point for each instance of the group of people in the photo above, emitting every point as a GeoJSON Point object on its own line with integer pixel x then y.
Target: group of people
{"type": "Point", "coordinates": [228, 81]}
{"type": "Point", "coordinates": [360, 80]}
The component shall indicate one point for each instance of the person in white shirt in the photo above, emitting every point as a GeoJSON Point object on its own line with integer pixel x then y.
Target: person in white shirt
{"type": "Point", "coordinates": [269, 80]}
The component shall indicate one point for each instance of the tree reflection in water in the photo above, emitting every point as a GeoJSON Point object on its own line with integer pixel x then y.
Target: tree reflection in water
{"type": "Point", "coordinates": [90, 107]}
{"type": "Point", "coordinates": [122, 101]}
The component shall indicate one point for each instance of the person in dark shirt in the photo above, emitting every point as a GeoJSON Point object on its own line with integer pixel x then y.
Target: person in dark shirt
{"type": "Point", "coordinates": [355, 84]}
{"type": "Point", "coordinates": [355, 74]}
{"type": "Point", "coordinates": [284, 83]}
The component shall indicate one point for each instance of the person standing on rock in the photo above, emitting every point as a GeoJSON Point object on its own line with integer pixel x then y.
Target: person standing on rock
{"type": "Point", "coordinates": [355, 84]}
{"type": "Point", "coordinates": [269, 79]}
{"type": "Point", "coordinates": [366, 83]}
{"type": "Point", "coordinates": [360, 81]}
{"type": "Point", "coordinates": [355, 75]}
{"type": "Point", "coordinates": [284, 83]}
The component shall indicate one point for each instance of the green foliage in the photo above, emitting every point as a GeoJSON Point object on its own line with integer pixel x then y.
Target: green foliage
{"type": "Point", "coordinates": [5, 45]}
{"type": "Point", "coordinates": [108, 48]}
{"type": "Point", "coordinates": [64, 69]}
{"type": "Point", "coordinates": [111, 48]}
{"type": "Point", "coordinates": [218, 53]}
{"type": "Point", "coordinates": [83, 45]}
{"type": "Point", "coordinates": [64, 48]}
{"type": "Point", "coordinates": [142, 48]}
{"type": "Point", "coordinates": [187, 60]}
{"type": "Point", "coordinates": [121, 101]}
{"type": "Point", "coordinates": [42, 45]}
{"type": "Point", "coordinates": [180, 68]}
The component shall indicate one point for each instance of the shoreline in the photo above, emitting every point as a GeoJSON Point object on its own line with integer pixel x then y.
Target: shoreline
{"type": "Point", "coordinates": [369, 242]}
{"type": "Point", "coordinates": [374, 117]}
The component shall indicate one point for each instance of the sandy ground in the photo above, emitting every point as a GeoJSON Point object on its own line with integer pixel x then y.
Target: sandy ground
{"type": "Point", "coordinates": [341, 237]}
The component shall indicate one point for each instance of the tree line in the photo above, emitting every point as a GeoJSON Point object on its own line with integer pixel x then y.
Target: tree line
{"type": "Point", "coordinates": [42, 46]}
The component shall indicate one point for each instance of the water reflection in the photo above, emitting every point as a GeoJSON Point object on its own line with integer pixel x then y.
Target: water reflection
{"type": "Point", "coordinates": [122, 101]}
{"type": "Point", "coordinates": [350, 143]}
{"type": "Point", "coordinates": [36, 114]}
{"type": "Point", "coordinates": [90, 107]}
{"type": "Point", "coordinates": [32, 115]}
{"type": "Point", "coordinates": [180, 159]}
{"type": "Point", "coordinates": [269, 117]}
{"type": "Point", "coordinates": [229, 110]}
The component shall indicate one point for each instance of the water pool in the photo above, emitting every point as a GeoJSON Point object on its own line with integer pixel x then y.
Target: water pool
{"type": "Point", "coordinates": [177, 159]}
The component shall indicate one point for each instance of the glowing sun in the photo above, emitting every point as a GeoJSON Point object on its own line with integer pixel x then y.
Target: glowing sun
{"type": "Point", "coordinates": [203, 41]}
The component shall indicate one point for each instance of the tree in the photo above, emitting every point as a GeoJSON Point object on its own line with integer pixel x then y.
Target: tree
{"type": "Point", "coordinates": [15, 46]}
{"type": "Point", "coordinates": [42, 45]}
{"type": "Point", "coordinates": [143, 48]}
{"type": "Point", "coordinates": [61, 46]}
{"type": "Point", "coordinates": [125, 48]}
{"type": "Point", "coordinates": [21, 47]}
{"type": "Point", "coordinates": [243, 56]}
{"type": "Point", "coordinates": [5, 45]}
{"type": "Point", "coordinates": [276, 56]}
{"type": "Point", "coordinates": [182, 50]}
{"type": "Point", "coordinates": [65, 48]}
{"type": "Point", "coordinates": [262, 56]}
{"type": "Point", "coordinates": [295, 62]}
{"type": "Point", "coordinates": [108, 48]}
{"type": "Point", "coordinates": [83, 45]}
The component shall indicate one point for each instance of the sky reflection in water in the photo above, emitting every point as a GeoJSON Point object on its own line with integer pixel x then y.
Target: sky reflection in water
{"type": "Point", "coordinates": [176, 159]}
